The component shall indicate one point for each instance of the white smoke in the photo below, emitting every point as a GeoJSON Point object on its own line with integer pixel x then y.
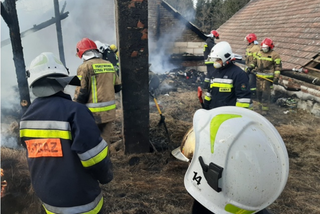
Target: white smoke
{"type": "Point", "coordinates": [92, 19]}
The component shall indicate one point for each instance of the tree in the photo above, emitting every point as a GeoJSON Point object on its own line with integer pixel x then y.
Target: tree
{"type": "Point", "coordinates": [185, 7]}
{"type": "Point", "coordinates": [210, 14]}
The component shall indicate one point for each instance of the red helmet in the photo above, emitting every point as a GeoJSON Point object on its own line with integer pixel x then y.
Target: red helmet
{"type": "Point", "coordinates": [215, 34]}
{"type": "Point", "coordinates": [84, 45]}
{"type": "Point", "coordinates": [251, 37]}
{"type": "Point", "coordinates": [268, 42]}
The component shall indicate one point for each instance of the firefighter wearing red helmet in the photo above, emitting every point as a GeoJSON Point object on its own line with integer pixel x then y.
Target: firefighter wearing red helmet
{"type": "Point", "coordinates": [210, 43]}
{"type": "Point", "coordinates": [268, 66]}
{"type": "Point", "coordinates": [99, 83]}
{"type": "Point", "coordinates": [252, 49]}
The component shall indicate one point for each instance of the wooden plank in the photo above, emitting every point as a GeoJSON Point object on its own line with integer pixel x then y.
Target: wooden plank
{"type": "Point", "coordinates": [311, 68]}
{"type": "Point", "coordinates": [132, 34]}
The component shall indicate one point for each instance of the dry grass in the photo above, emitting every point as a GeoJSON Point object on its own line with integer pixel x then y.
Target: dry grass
{"type": "Point", "coordinates": [153, 183]}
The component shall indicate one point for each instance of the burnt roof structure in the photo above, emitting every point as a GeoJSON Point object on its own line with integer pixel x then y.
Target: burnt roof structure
{"type": "Point", "coordinates": [294, 27]}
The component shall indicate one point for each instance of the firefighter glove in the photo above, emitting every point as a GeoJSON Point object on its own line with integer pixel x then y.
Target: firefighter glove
{"type": "Point", "coordinates": [206, 104]}
{"type": "Point", "coordinates": [249, 69]}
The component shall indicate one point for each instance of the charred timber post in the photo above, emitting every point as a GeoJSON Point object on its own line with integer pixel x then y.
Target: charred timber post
{"type": "Point", "coordinates": [59, 31]}
{"type": "Point", "coordinates": [132, 34]}
{"type": "Point", "coordinates": [10, 7]}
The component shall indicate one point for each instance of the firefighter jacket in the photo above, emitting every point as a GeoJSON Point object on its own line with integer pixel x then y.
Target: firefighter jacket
{"type": "Point", "coordinates": [268, 64]}
{"type": "Point", "coordinates": [99, 83]}
{"type": "Point", "coordinates": [251, 51]}
{"type": "Point", "coordinates": [228, 87]}
{"type": "Point", "coordinates": [67, 158]}
{"type": "Point", "coordinates": [207, 49]}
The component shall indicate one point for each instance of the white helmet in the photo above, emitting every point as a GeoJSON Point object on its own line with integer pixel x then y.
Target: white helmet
{"type": "Point", "coordinates": [223, 51]}
{"type": "Point", "coordinates": [101, 46]}
{"type": "Point", "coordinates": [57, 75]}
{"type": "Point", "coordinates": [43, 65]}
{"type": "Point", "coordinates": [240, 163]}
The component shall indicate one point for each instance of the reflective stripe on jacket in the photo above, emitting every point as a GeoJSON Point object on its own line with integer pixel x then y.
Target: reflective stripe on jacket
{"type": "Point", "coordinates": [98, 78]}
{"type": "Point", "coordinates": [229, 87]}
{"type": "Point", "coordinates": [66, 155]}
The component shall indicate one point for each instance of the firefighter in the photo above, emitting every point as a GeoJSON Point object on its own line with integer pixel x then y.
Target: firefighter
{"type": "Point", "coordinates": [252, 49]}
{"type": "Point", "coordinates": [109, 54]}
{"type": "Point", "coordinates": [66, 155]}
{"type": "Point", "coordinates": [210, 43]}
{"type": "Point", "coordinates": [229, 84]}
{"type": "Point", "coordinates": [99, 83]}
{"type": "Point", "coordinates": [240, 163]}
{"type": "Point", "coordinates": [268, 66]}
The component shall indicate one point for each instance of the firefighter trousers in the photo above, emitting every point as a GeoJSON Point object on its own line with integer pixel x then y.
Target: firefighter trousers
{"type": "Point", "coordinates": [105, 129]}
{"type": "Point", "coordinates": [264, 93]}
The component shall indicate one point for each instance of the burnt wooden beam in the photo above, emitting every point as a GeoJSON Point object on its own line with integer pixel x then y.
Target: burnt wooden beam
{"type": "Point", "coordinates": [5, 15]}
{"type": "Point", "coordinates": [36, 28]}
{"type": "Point", "coordinates": [59, 31]}
{"type": "Point", "coordinates": [132, 34]}
{"type": "Point", "coordinates": [10, 7]}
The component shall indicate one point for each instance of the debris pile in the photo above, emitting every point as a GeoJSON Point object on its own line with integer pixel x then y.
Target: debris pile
{"type": "Point", "coordinates": [183, 78]}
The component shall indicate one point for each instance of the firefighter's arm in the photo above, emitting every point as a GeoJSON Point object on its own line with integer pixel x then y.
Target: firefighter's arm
{"type": "Point", "coordinates": [117, 83]}
{"type": "Point", "coordinates": [242, 91]}
{"type": "Point", "coordinates": [277, 68]}
{"type": "Point", "coordinates": [92, 150]}
{"type": "Point", "coordinates": [82, 92]}
{"type": "Point", "coordinates": [207, 101]}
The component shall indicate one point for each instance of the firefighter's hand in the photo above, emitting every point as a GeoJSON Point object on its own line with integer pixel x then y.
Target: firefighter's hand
{"type": "Point", "coordinates": [249, 69]}
{"type": "Point", "coordinates": [276, 81]}
{"type": "Point", "coordinates": [206, 104]}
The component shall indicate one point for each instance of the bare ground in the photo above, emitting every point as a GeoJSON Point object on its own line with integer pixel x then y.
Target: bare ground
{"type": "Point", "coordinates": [152, 183]}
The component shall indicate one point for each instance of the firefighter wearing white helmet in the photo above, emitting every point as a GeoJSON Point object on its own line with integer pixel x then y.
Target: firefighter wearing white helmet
{"type": "Point", "coordinates": [65, 151]}
{"type": "Point", "coordinates": [229, 84]}
{"type": "Point", "coordinates": [240, 163]}
{"type": "Point", "coordinates": [108, 54]}
{"type": "Point", "coordinates": [47, 75]}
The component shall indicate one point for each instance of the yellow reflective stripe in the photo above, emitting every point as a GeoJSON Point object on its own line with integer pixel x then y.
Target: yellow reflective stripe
{"type": "Point", "coordinates": [94, 89]}
{"type": "Point", "coordinates": [221, 85]}
{"type": "Point", "coordinates": [103, 68]}
{"type": "Point", "coordinates": [278, 61]}
{"type": "Point", "coordinates": [95, 210]}
{"type": "Point", "coordinates": [255, 55]}
{"type": "Point", "coordinates": [100, 109]}
{"type": "Point", "coordinates": [208, 62]}
{"type": "Point", "coordinates": [249, 54]}
{"type": "Point", "coordinates": [114, 79]}
{"type": "Point", "coordinates": [236, 210]}
{"type": "Point", "coordinates": [38, 133]}
{"type": "Point", "coordinates": [266, 59]}
{"type": "Point", "coordinates": [216, 123]}
{"type": "Point", "coordinates": [277, 72]}
{"type": "Point", "coordinates": [80, 77]}
{"type": "Point", "coordinates": [243, 105]}
{"type": "Point", "coordinates": [207, 98]}
{"type": "Point", "coordinates": [96, 159]}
